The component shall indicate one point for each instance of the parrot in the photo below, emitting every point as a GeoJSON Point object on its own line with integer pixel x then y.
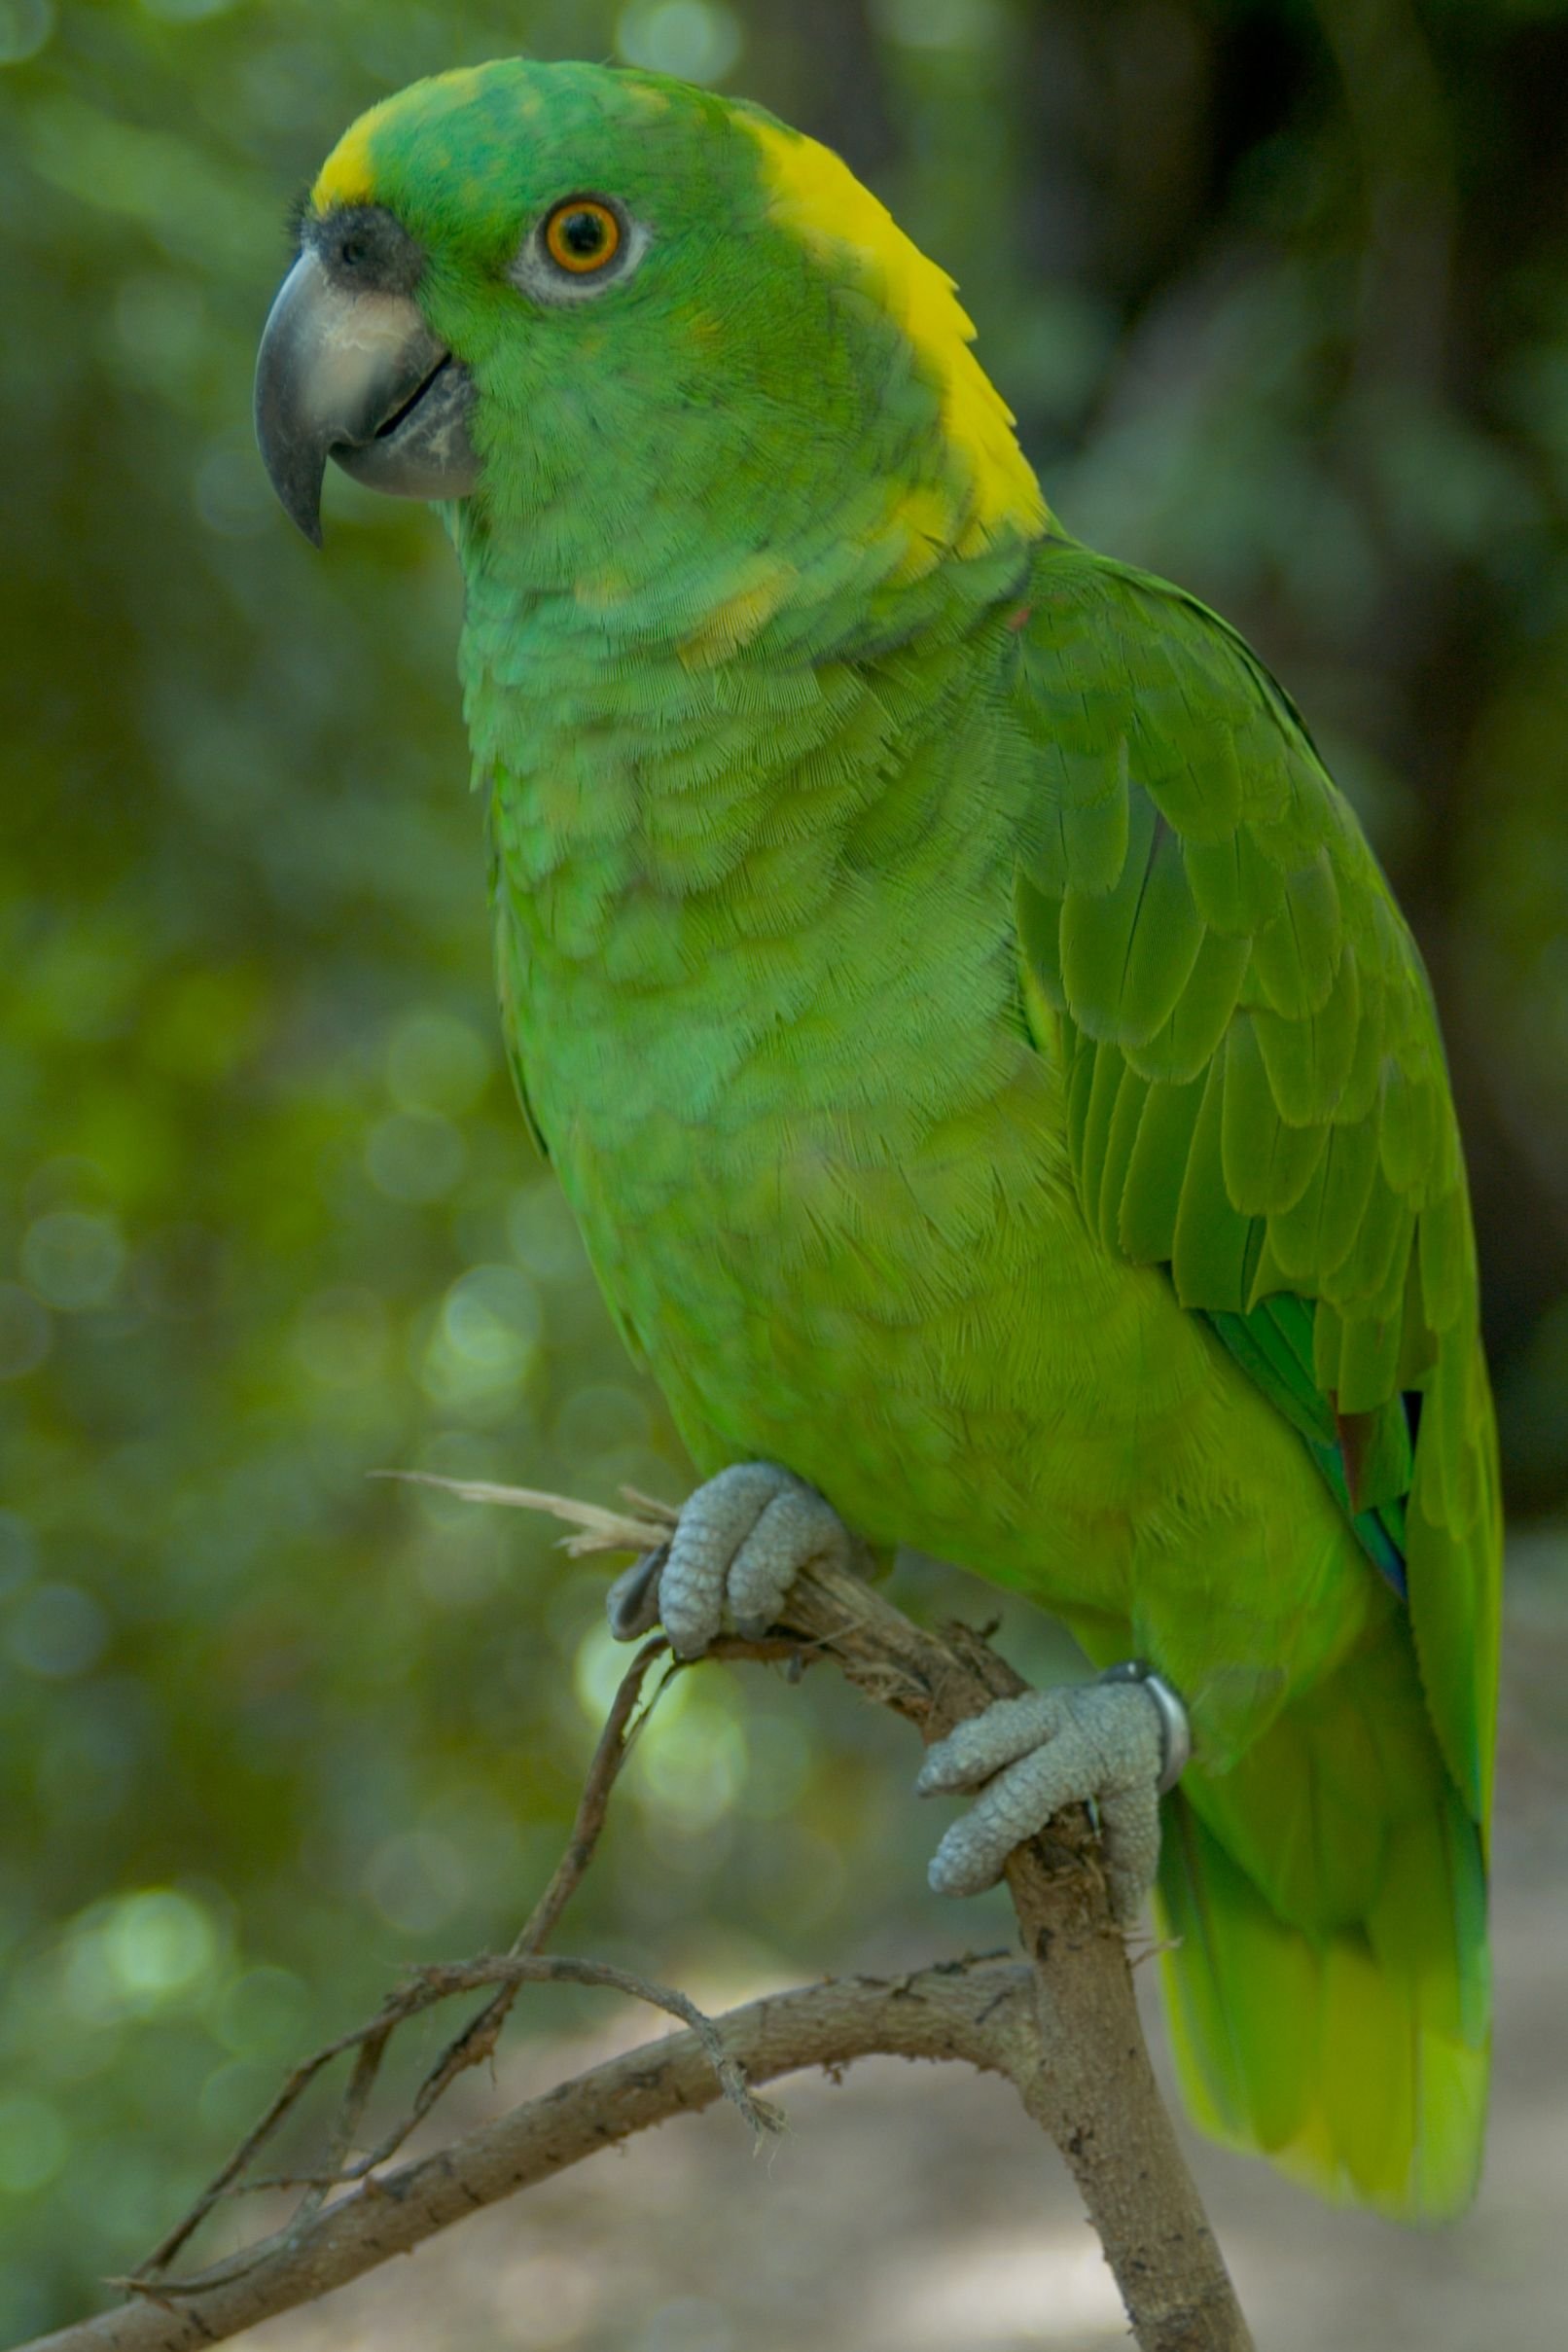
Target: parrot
{"type": "Point", "coordinates": [1002, 1103]}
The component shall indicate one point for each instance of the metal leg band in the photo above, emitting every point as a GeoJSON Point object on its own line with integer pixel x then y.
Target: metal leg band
{"type": "Point", "coordinates": [1175, 1731]}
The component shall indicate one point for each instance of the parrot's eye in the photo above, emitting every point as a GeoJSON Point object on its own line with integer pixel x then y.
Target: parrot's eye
{"type": "Point", "coordinates": [581, 235]}
{"type": "Point", "coordinates": [581, 248]}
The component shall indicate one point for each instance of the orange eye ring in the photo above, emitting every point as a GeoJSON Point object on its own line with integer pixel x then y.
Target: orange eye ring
{"type": "Point", "coordinates": [582, 234]}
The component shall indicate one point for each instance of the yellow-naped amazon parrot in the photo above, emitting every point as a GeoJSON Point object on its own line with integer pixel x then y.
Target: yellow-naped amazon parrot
{"type": "Point", "coordinates": [999, 1095]}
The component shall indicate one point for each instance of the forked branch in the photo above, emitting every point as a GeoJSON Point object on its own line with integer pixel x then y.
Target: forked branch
{"type": "Point", "coordinates": [1064, 2030]}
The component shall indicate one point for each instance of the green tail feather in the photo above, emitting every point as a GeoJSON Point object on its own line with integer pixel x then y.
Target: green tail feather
{"type": "Point", "coordinates": [1339, 2024]}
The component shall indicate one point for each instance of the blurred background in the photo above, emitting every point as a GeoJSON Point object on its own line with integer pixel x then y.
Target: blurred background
{"type": "Point", "coordinates": [1279, 290]}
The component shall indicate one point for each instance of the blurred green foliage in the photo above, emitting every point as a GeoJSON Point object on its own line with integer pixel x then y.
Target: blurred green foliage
{"type": "Point", "coordinates": [1280, 292]}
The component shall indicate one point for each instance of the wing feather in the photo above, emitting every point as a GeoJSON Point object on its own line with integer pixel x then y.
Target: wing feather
{"type": "Point", "coordinates": [1256, 1086]}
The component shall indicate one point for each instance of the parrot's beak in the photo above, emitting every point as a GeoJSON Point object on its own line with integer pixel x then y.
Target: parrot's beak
{"type": "Point", "coordinates": [355, 374]}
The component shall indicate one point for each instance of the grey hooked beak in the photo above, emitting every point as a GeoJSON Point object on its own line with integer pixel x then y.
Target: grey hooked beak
{"type": "Point", "coordinates": [355, 374]}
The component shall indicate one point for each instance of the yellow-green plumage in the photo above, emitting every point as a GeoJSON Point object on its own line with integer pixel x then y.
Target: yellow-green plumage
{"type": "Point", "coordinates": [984, 1059]}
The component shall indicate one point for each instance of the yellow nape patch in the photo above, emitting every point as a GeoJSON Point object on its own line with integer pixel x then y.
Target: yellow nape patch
{"type": "Point", "coordinates": [817, 195]}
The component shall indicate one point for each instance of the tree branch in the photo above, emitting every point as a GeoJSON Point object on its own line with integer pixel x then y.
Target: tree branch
{"type": "Point", "coordinates": [982, 2014]}
{"type": "Point", "coordinates": [1065, 2031]}
{"type": "Point", "coordinates": [1091, 2086]}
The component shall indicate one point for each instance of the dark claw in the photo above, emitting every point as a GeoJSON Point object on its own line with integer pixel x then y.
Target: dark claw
{"type": "Point", "coordinates": [632, 1601]}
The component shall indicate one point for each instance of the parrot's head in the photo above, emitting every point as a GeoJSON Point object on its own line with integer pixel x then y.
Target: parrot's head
{"type": "Point", "coordinates": [602, 309]}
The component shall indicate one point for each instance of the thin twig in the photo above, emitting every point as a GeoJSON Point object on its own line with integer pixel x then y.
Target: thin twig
{"type": "Point", "coordinates": [533, 1968]}
{"type": "Point", "coordinates": [471, 2047]}
{"type": "Point", "coordinates": [350, 2114]}
{"type": "Point", "coordinates": [476, 2042]}
{"type": "Point", "coordinates": [440, 1981]}
{"type": "Point", "coordinates": [283, 2103]}
{"type": "Point", "coordinates": [598, 1529]}
{"type": "Point", "coordinates": [623, 1727]}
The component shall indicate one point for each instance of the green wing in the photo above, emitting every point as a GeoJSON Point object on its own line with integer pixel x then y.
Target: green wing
{"type": "Point", "coordinates": [1257, 1092]}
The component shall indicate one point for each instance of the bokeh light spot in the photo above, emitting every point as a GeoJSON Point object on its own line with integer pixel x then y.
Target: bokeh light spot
{"type": "Point", "coordinates": [692, 1769]}
{"type": "Point", "coordinates": [436, 1063]}
{"type": "Point", "coordinates": [540, 1230]}
{"type": "Point", "coordinates": [415, 1157]}
{"type": "Point", "coordinates": [57, 1631]}
{"type": "Point", "coordinates": [25, 28]}
{"type": "Point", "coordinates": [695, 40]}
{"type": "Point", "coordinates": [72, 1260]}
{"type": "Point", "coordinates": [158, 1943]}
{"type": "Point", "coordinates": [485, 1339]}
{"type": "Point", "coordinates": [460, 1564]}
{"type": "Point", "coordinates": [600, 1418]}
{"type": "Point", "coordinates": [33, 2144]}
{"type": "Point", "coordinates": [417, 1880]}
{"type": "Point", "coordinates": [597, 1666]}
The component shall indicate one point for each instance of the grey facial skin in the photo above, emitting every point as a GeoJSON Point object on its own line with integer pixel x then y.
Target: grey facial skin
{"type": "Point", "coordinates": [348, 369]}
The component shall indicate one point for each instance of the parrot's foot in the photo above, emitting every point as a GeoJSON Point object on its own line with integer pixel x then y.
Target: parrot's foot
{"type": "Point", "coordinates": [1117, 1744]}
{"type": "Point", "coordinates": [742, 1541]}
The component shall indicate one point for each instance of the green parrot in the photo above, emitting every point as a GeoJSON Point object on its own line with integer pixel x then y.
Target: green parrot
{"type": "Point", "coordinates": [1000, 1098]}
